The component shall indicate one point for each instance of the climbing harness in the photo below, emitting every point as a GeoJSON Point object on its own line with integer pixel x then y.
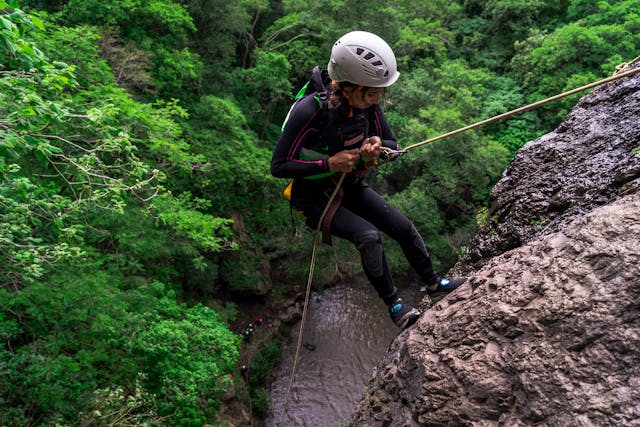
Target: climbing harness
{"type": "Point", "coordinates": [389, 154]}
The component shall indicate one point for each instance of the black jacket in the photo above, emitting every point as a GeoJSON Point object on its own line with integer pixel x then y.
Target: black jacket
{"type": "Point", "coordinates": [325, 132]}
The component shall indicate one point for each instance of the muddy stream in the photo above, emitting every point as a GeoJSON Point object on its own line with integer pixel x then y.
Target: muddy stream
{"type": "Point", "coordinates": [346, 333]}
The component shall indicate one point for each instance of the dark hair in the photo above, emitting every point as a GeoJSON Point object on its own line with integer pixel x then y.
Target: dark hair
{"type": "Point", "coordinates": [340, 101]}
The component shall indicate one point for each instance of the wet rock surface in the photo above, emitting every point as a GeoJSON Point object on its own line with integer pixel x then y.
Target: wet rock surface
{"type": "Point", "coordinates": [547, 329]}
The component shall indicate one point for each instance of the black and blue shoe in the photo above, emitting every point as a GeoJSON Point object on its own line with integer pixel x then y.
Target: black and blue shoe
{"type": "Point", "coordinates": [446, 285]}
{"type": "Point", "coordinates": [402, 314]}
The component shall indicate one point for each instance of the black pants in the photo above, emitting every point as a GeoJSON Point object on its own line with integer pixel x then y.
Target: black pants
{"type": "Point", "coordinates": [360, 218]}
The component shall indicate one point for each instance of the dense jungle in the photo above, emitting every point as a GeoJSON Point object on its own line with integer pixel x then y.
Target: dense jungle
{"type": "Point", "coordinates": [138, 216]}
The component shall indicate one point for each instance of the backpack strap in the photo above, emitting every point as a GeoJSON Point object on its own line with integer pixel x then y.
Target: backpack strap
{"type": "Point", "coordinates": [316, 86]}
{"type": "Point", "coordinates": [318, 78]}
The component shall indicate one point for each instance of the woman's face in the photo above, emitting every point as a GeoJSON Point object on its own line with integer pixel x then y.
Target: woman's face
{"type": "Point", "coordinates": [368, 97]}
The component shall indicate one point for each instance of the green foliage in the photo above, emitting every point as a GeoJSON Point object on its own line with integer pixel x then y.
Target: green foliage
{"type": "Point", "coordinates": [175, 70]}
{"type": "Point", "coordinates": [513, 15]}
{"type": "Point", "coordinates": [77, 46]}
{"type": "Point", "coordinates": [577, 53]}
{"type": "Point", "coordinates": [49, 179]}
{"type": "Point", "coordinates": [161, 28]}
{"type": "Point", "coordinates": [505, 95]}
{"type": "Point", "coordinates": [72, 330]}
{"type": "Point", "coordinates": [603, 11]}
{"type": "Point", "coordinates": [81, 192]}
{"type": "Point", "coordinates": [222, 28]}
{"type": "Point", "coordinates": [171, 241]}
{"type": "Point", "coordinates": [235, 174]}
{"type": "Point", "coordinates": [488, 31]}
{"type": "Point", "coordinates": [185, 358]}
{"type": "Point", "coordinates": [159, 19]}
{"type": "Point", "coordinates": [295, 36]}
{"type": "Point", "coordinates": [210, 233]}
{"type": "Point", "coordinates": [156, 128]}
{"type": "Point", "coordinates": [261, 88]}
{"type": "Point", "coordinates": [114, 405]}
{"type": "Point", "coordinates": [244, 271]}
{"type": "Point", "coordinates": [15, 51]}
{"type": "Point", "coordinates": [423, 38]}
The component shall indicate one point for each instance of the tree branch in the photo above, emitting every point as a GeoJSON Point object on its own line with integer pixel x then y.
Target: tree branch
{"type": "Point", "coordinates": [59, 138]}
{"type": "Point", "coordinates": [292, 39]}
{"type": "Point", "coordinates": [273, 36]}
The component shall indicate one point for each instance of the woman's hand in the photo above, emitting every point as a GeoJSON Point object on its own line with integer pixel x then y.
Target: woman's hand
{"type": "Point", "coordinates": [371, 147]}
{"type": "Point", "coordinates": [343, 161]}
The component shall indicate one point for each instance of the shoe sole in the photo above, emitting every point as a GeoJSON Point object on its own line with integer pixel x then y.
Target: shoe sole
{"type": "Point", "coordinates": [410, 318]}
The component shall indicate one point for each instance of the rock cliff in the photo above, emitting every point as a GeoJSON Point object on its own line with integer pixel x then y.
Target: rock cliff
{"type": "Point", "coordinates": [547, 329]}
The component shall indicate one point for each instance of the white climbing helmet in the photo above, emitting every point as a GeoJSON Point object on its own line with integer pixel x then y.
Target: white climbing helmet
{"type": "Point", "coordinates": [364, 59]}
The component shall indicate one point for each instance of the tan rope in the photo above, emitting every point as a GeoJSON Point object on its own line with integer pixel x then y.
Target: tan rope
{"type": "Point", "coordinates": [312, 266]}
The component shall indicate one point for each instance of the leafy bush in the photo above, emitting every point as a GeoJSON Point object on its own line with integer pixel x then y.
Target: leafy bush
{"type": "Point", "coordinates": [80, 336]}
{"type": "Point", "coordinates": [186, 359]}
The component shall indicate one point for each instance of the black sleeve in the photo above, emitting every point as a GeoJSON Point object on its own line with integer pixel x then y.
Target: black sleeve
{"type": "Point", "coordinates": [380, 127]}
{"type": "Point", "coordinates": [300, 127]}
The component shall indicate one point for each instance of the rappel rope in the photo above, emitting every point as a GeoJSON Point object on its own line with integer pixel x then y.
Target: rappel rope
{"type": "Point", "coordinates": [312, 266]}
{"type": "Point", "coordinates": [517, 111]}
{"type": "Point", "coordinates": [404, 151]}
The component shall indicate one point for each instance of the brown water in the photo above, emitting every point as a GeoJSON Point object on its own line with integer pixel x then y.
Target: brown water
{"type": "Point", "coordinates": [346, 333]}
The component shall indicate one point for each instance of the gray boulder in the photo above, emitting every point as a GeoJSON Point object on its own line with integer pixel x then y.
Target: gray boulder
{"type": "Point", "coordinates": [547, 329]}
